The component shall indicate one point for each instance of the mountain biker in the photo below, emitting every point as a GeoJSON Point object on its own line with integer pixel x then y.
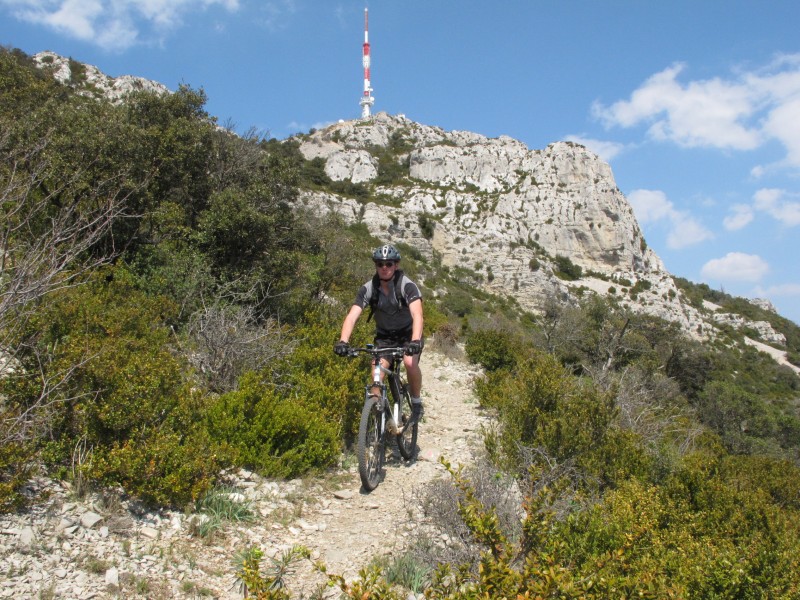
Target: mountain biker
{"type": "Point", "coordinates": [396, 303]}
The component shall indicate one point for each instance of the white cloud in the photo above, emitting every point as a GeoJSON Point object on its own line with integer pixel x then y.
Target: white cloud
{"type": "Point", "coordinates": [783, 123]}
{"type": "Point", "coordinates": [274, 13]}
{"type": "Point", "coordinates": [740, 113]}
{"type": "Point", "coordinates": [652, 206]}
{"type": "Point", "coordinates": [785, 289]}
{"type": "Point", "coordinates": [110, 24]}
{"type": "Point", "coordinates": [772, 201]}
{"type": "Point", "coordinates": [735, 266]}
{"type": "Point", "coordinates": [605, 150]}
{"type": "Point", "coordinates": [741, 217]}
{"type": "Point", "coordinates": [686, 231]}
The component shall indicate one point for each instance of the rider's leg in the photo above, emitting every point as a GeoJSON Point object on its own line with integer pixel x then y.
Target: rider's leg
{"type": "Point", "coordinates": [414, 374]}
{"type": "Point", "coordinates": [376, 391]}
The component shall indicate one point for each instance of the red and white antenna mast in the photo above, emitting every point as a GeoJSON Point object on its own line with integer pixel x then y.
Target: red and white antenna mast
{"type": "Point", "coordinates": [366, 99]}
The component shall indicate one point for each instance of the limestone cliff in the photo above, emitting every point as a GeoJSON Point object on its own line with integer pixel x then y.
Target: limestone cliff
{"type": "Point", "coordinates": [495, 206]}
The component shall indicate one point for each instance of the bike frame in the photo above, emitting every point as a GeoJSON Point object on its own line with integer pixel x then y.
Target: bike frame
{"type": "Point", "coordinates": [395, 387]}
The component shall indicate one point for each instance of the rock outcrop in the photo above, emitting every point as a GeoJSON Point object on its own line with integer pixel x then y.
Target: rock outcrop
{"type": "Point", "coordinates": [89, 81]}
{"type": "Point", "coordinates": [500, 209]}
{"type": "Point", "coordinates": [762, 329]}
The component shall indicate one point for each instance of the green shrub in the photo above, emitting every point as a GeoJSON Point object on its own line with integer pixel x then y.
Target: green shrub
{"type": "Point", "coordinates": [542, 406]}
{"type": "Point", "coordinates": [696, 536]}
{"type": "Point", "coordinates": [313, 172]}
{"type": "Point", "coordinates": [391, 171]}
{"type": "Point", "coordinates": [165, 468]}
{"type": "Point", "coordinates": [426, 225]}
{"type": "Point", "coordinates": [126, 377]}
{"type": "Point", "coordinates": [16, 468]}
{"type": "Point", "coordinates": [567, 269]}
{"type": "Point", "coordinates": [274, 435]}
{"type": "Point", "coordinates": [126, 397]}
{"type": "Point", "coordinates": [328, 384]}
{"type": "Point", "coordinates": [359, 191]}
{"type": "Point", "coordinates": [457, 302]}
{"type": "Point", "coordinates": [740, 418]}
{"type": "Point", "coordinates": [493, 349]}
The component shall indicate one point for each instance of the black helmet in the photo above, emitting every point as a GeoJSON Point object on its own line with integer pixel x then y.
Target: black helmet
{"type": "Point", "coordinates": [386, 252]}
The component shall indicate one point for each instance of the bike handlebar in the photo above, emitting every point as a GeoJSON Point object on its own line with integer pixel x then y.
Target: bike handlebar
{"type": "Point", "coordinates": [378, 352]}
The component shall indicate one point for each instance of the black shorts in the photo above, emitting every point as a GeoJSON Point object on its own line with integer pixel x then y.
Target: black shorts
{"type": "Point", "coordinates": [394, 339]}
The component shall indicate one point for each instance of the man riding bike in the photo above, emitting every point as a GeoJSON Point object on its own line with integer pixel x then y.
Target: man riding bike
{"type": "Point", "coordinates": [396, 303]}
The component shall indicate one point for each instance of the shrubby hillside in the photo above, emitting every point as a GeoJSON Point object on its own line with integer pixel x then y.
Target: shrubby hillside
{"type": "Point", "coordinates": [168, 306]}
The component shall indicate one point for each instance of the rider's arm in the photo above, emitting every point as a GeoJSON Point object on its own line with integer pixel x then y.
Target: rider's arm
{"type": "Point", "coordinates": [416, 319]}
{"type": "Point", "coordinates": [350, 322]}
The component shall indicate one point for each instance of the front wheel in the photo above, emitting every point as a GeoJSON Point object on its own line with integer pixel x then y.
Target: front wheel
{"type": "Point", "coordinates": [407, 440]}
{"type": "Point", "coordinates": [371, 448]}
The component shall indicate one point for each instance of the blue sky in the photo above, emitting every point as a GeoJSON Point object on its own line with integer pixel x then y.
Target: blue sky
{"type": "Point", "coordinates": [695, 104]}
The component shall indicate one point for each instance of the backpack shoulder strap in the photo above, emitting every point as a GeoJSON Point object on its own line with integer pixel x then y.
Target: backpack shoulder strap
{"type": "Point", "coordinates": [398, 288]}
{"type": "Point", "coordinates": [373, 299]}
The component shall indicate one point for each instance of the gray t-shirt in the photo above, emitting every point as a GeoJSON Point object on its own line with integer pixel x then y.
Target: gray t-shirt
{"type": "Point", "coordinates": [391, 317]}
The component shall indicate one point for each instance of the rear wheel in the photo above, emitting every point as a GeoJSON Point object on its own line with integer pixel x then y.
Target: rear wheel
{"type": "Point", "coordinates": [371, 448]}
{"type": "Point", "coordinates": [407, 441]}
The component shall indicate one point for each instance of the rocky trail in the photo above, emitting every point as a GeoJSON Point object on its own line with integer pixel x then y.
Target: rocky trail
{"type": "Point", "coordinates": [103, 546]}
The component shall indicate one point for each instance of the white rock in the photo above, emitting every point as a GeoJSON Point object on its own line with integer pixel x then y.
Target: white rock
{"type": "Point", "coordinates": [89, 519]}
{"type": "Point", "coordinates": [344, 494]}
{"type": "Point", "coordinates": [27, 537]}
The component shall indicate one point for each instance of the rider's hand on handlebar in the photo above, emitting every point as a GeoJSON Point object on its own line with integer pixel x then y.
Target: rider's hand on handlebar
{"type": "Point", "coordinates": [341, 348]}
{"type": "Point", "coordinates": [413, 347]}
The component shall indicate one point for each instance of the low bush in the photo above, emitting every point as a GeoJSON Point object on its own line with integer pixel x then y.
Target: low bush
{"type": "Point", "coordinates": [164, 468]}
{"type": "Point", "coordinates": [548, 416]}
{"type": "Point", "coordinates": [566, 269]}
{"type": "Point", "coordinates": [696, 536]}
{"type": "Point", "coordinates": [16, 467]}
{"type": "Point", "coordinates": [457, 302]}
{"type": "Point", "coordinates": [274, 435]}
{"type": "Point", "coordinates": [493, 349]}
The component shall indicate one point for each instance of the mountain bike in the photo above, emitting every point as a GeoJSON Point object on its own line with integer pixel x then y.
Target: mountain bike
{"type": "Point", "coordinates": [382, 418]}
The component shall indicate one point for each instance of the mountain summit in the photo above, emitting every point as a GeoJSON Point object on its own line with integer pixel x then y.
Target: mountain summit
{"type": "Point", "coordinates": [530, 224]}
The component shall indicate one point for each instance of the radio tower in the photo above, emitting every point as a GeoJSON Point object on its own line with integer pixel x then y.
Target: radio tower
{"type": "Point", "coordinates": [366, 99]}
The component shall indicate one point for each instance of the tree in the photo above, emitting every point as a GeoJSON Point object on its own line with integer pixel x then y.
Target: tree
{"type": "Point", "coordinates": [50, 225]}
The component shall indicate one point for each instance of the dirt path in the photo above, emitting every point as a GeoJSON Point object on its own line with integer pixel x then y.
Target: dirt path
{"type": "Point", "coordinates": [350, 527]}
{"type": "Point", "coordinates": [98, 547]}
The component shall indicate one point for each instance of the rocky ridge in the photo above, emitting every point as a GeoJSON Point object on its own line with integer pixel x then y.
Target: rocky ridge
{"type": "Point", "coordinates": [504, 211]}
{"type": "Point", "coordinates": [88, 80]}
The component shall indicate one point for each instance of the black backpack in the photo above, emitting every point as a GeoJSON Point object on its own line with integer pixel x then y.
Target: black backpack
{"type": "Point", "coordinates": [376, 290]}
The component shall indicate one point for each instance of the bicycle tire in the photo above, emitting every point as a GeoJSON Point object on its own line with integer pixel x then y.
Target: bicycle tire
{"type": "Point", "coordinates": [371, 447]}
{"type": "Point", "coordinates": [407, 440]}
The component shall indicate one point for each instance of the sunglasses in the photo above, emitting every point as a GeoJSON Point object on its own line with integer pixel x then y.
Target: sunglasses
{"type": "Point", "coordinates": [388, 263]}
